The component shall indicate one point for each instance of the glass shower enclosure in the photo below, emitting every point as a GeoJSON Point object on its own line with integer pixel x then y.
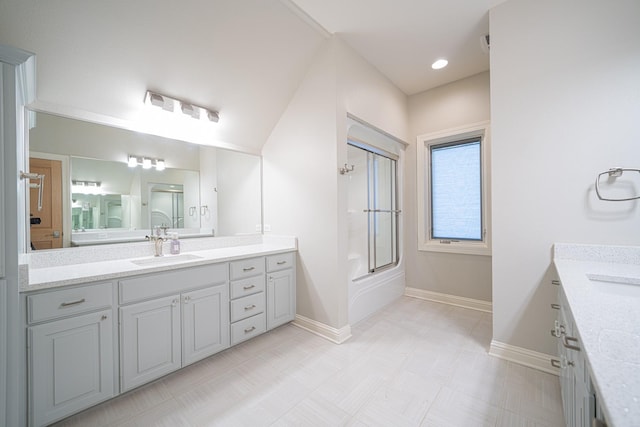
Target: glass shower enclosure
{"type": "Point", "coordinates": [373, 209]}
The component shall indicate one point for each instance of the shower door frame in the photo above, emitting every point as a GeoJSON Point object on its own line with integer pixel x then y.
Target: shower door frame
{"type": "Point", "coordinates": [372, 211]}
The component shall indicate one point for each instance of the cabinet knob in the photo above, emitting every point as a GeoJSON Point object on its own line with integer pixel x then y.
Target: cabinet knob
{"type": "Point", "coordinates": [104, 317]}
{"type": "Point", "coordinates": [174, 303]}
{"type": "Point", "coordinates": [187, 299]}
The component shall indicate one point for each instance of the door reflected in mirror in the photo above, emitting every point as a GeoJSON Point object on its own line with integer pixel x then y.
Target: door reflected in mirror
{"type": "Point", "coordinates": [202, 191]}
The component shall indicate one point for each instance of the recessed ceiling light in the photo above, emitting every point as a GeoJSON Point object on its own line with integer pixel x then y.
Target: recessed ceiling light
{"type": "Point", "coordinates": [440, 63]}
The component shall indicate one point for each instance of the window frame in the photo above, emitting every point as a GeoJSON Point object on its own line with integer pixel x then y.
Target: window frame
{"type": "Point", "coordinates": [450, 136]}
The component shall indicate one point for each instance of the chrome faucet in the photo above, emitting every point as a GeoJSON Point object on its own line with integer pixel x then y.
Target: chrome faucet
{"type": "Point", "coordinates": [158, 245]}
{"type": "Point", "coordinates": [157, 239]}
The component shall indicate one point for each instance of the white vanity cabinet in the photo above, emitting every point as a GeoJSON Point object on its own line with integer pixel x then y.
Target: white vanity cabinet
{"type": "Point", "coordinates": [87, 343]}
{"type": "Point", "coordinates": [247, 306]}
{"type": "Point", "coordinates": [149, 340]}
{"type": "Point", "coordinates": [70, 338]}
{"type": "Point", "coordinates": [183, 317]}
{"type": "Point", "coordinates": [281, 289]}
{"type": "Point", "coordinates": [578, 397]}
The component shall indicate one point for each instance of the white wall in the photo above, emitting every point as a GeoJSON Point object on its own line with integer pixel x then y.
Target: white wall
{"type": "Point", "coordinates": [565, 106]}
{"type": "Point", "coordinates": [304, 194]}
{"type": "Point", "coordinates": [299, 184]}
{"type": "Point", "coordinates": [460, 103]}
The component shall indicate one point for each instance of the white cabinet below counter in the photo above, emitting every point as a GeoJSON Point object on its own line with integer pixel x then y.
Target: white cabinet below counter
{"type": "Point", "coordinates": [90, 342]}
{"type": "Point", "coordinates": [281, 289]}
{"type": "Point", "coordinates": [248, 301]}
{"type": "Point", "coordinates": [186, 320]}
{"type": "Point", "coordinates": [71, 358]}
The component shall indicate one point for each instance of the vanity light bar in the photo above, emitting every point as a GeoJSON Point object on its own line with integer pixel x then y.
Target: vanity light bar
{"type": "Point", "coordinates": [86, 183]}
{"type": "Point", "coordinates": [146, 163]}
{"type": "Point", "coordinates": [176, 106]}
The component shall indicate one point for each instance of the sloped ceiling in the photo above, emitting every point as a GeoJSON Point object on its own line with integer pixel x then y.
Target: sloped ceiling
{"type": "Point", "coordinates": [402, 38]}
{"type": "Point", "coordinates": [244, 58]}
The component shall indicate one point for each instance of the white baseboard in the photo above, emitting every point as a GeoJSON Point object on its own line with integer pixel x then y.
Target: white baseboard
{"type": "Point", "coordinates": [473, 304]}
{"type": "Point", "coordinates": [523, 356]}
{"type": "Point", "coordinates": [332, 334]}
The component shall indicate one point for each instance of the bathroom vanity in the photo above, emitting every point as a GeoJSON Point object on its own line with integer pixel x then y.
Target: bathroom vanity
{"type": "Point", "coordinates": [96, 329]}
{"type": "Point", "coordinates": [598, 331]}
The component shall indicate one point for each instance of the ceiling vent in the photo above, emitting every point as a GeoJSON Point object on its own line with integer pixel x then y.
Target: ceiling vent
{"type": "Point", "coordinates": [484, 43]}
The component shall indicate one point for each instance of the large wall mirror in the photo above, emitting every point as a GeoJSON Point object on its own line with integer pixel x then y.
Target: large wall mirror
{"type": "Point", "coordinates": [94, 195]}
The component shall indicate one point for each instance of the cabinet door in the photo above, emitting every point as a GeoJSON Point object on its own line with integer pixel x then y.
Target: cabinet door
{"type": "Point", "coordinates": [205, 322]}
{"type": "Point", "coordinates": [281, 298]}
{"type": "Point", "coordinates": [70, 365]}
{"type": "Point", "coordinates": [150, 344]}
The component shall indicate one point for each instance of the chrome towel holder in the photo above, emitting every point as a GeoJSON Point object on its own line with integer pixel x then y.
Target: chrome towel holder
{"type": "Point", "coordinates": [614, 173]}
{"type": "Point", "coordinates": [39, 186]}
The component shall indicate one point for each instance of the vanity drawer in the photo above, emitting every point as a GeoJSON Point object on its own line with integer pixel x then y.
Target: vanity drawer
{"type": "Point", "coordinates": [248, 286]}
{"type": "Point", "coordinates": [171, 282]}
{"type": "Point", "coordinates": [281, 261]}
{"type": "Point", "coordinates": [66, 302]}
{"type": "Point", "coordinates": [247, 306]}
{"type": "Point", "coordinates": [246, 268]}
{"type": "Point", "coordinates": [248, 328]}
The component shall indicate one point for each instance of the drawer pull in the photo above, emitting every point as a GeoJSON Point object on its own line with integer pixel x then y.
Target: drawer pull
{"type": "Point", "coordinates": [281, 262]}
{"type": "Point", "coordinates": [250, 307]}
{"type": "Point", "coordinates": [248, 330]}
{"type": "Point", "coordinates": [555, 306]}
{"type": "Point", "coordinates": [555, 282]}
{"type": "Point", "coordinates": [566, 340]}
{"type": "Point", "coordinates": [246, 288]}
{"type": "Point", "coordinates": [248, 269]}
{"type": "Point", "coordinates": [70, 303]}
{"type": "Point", "coordinates": [555, 363]}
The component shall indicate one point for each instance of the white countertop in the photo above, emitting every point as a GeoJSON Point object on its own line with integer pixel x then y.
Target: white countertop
{"type": "Point", "coordinates": [56, 275]}
{"type": "Point", "coordinates": [607, 316]}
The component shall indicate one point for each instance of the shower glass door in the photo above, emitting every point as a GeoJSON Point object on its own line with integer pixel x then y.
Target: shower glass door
{"type": "Point", "coordinates": [373, 225]}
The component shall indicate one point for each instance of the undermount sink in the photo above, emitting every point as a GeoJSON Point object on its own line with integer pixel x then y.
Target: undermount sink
{"type": "Point", "coordinates": [164, 260]}
{"type": "Point", "coordinates": [623, 280]}
{"type": "Point", "coordinates": [616, 284]}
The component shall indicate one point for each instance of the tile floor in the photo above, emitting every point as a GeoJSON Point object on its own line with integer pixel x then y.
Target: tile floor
{"type": "Point", "coordinates": [415, 363]}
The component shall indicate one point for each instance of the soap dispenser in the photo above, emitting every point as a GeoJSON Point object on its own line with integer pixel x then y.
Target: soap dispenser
{"type": "Point", "coordinates": [175, 244]}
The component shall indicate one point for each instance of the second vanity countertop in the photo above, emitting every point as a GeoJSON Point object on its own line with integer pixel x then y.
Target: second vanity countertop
{"type": "Point", "coordinates": [44, 276]}
{"type": "Point", "coordinates": [602, 286]}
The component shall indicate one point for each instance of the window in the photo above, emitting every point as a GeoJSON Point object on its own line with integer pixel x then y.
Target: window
{"type": "Point", "coordinates": [453, 190]}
